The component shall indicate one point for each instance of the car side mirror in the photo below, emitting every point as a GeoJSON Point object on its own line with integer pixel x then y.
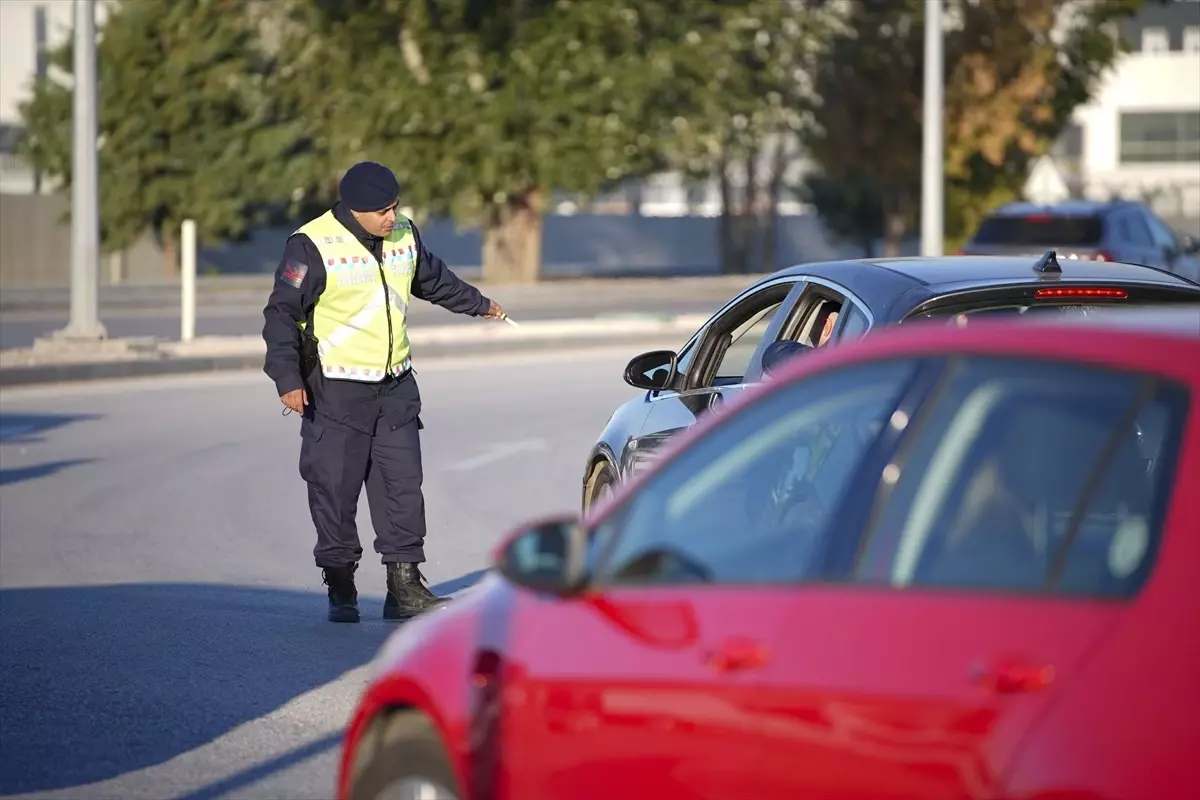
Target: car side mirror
{"type": "Point", "coordinates": [777, 353]}
{"type": "Point", "coordinates": [546, 556]}
{"type": "Point", "coordinates": [652, 370]}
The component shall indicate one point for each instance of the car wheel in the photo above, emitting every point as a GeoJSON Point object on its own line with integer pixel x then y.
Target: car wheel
{"type": "Point", "coordinates": [599, 484]}
{"type": "Point", "coordinates": [406, 762]}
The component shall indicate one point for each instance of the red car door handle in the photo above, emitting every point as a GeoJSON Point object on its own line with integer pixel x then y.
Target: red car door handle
{"type": "Point", "coordinates": [735, 655]}
{"type": "Point", "coordinates": [1009, 677]}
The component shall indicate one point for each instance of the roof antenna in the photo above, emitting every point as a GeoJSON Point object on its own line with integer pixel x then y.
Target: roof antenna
{"type": "Point", "coordinates": [1047, 263]}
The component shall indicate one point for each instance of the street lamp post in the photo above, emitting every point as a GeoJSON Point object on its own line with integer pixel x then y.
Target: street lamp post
{"type": "Point", "coordinates": [85, 209]}
{"type": "Point", "coordinates": [932, 179]}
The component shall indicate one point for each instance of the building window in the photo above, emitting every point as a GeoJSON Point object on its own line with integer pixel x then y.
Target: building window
{"type": "Point", "coordinates": [1068, 150]}
{"type": "Point", "coordinates": [1155, 40]}
{"type": "Point", "coordinates": [1160, 137]}
{"type": "Point", "coordinates": [1191, 39]}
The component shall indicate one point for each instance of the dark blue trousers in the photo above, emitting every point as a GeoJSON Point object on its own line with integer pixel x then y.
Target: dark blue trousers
{"type": "Point", "coordinates": [356, 435]}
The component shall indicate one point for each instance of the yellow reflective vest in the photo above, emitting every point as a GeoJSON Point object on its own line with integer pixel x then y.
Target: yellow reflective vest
{"type": "Point", "coordinates": [362, 313]}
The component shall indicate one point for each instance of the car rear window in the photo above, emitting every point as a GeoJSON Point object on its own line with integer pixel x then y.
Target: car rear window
{"type": "Point", "coordinates": [1033, 476]}
{"type": "Point", "coordinates": [1022, 300]}
{"type": "Point", "coordinates": [1041, 230]}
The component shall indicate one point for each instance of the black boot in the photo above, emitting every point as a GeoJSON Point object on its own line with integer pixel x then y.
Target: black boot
{"type": "Point", "coordinates": [343, 597]}
{"type": "Point", "coordinates": [407, 595]}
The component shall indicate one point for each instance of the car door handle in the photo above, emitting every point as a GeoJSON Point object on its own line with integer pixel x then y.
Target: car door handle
{"type": "Point", "coordinates": [736, 655]}
{"type": "Point", "coordinates": [1010, 677]}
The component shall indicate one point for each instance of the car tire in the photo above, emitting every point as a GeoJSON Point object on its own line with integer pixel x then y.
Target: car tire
{"type": "Point", "coordinates": [406, 758]}
{"type": "Point", "coordinates": [600, 481]}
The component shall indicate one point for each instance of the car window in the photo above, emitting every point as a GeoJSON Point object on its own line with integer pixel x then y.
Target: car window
{"type": "Point", "coordinates": [1162, 235]}
{"type": "Point", "coordinates": [1134, 230]}
{"type": "Point", "coordinates": [1040, 230]}
{"type": "Point", "coordinates": [1029, 476]}
{"type": "Point", "coordinates": [746, 338]}
{"type": "Point", "coordinates": [751, 501]}
{"type": "Point", "coordinates": [856, 322]}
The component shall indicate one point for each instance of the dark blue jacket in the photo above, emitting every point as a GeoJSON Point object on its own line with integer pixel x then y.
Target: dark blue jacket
{"type": "Point", "coordinates": [289, 304]}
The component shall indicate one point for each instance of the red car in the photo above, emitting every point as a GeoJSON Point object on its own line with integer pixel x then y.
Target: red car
{"type": "Point", "coordinates": [937, 562]}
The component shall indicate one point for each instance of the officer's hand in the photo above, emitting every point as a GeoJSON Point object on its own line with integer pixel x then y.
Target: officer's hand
{"type": "Point", "coordinates": [296, 400]}
{"type": "Point", "coordinates": [494, 311]}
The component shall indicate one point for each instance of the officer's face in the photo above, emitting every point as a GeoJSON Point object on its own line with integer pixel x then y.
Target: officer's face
{"type": "Point", "coordinates": [378, 223]}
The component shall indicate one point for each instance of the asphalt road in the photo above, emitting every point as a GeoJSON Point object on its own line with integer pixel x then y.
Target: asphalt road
{"type": "Point", "coordinates": [163, 625]}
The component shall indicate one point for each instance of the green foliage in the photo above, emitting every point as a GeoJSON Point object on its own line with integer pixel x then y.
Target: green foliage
{"type": "Point", "coordinates": [187, 126]}
{"type": "Point", "coordinates": [483, 108]}
{"type": "Point", "coordinates": [475, 103]}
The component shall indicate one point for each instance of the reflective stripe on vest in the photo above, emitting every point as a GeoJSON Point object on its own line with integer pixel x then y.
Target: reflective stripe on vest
{"type": "Point", "coordinates": [350, 319]}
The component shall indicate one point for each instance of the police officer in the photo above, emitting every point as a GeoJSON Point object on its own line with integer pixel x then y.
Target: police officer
{"type": "Point", "coordinates": [336, 331]}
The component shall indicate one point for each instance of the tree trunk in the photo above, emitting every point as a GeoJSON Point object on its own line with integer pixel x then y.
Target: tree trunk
{"type": "Point", "coordinates": [512, 240]}
{"type": "Point", "coordinates": [170, 254]}
{"type": "Point", "coordinates": [727, 247]}
{"type": "Point", "coordinates": [770, 232]}
{"type": "Point", "coordinates": [748, 222]}
{"type": "Point", "coordinates": [894, 227]}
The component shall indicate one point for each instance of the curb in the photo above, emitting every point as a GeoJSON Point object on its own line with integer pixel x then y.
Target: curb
{"type": "Point", "coordinates": [433, 344]}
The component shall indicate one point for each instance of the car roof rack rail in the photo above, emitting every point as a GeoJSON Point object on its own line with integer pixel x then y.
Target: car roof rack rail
{"type": "Point", "coordinates": [1047, 263]}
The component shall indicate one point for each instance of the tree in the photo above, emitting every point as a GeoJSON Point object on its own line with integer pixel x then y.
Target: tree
{"type": "Point", "coordinates": [1012, 82]}
{"type": "Point", "coordinates": [186, 128]}
{"type": "Point", "coordinates": [763, 104]}
{"type": "Point", "coordinates": [482, 109]}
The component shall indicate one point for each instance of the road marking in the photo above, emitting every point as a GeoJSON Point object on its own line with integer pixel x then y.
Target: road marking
{"type": "Point", "coordinates": [497, 452]}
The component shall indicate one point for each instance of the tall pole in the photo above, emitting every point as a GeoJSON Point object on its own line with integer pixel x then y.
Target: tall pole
{"type": "Point", "coordinates": [85, 208]}
{"type": "Point", "coordinates": [187, 281]}
{"type": "Point", "coordinates": [932, 159]}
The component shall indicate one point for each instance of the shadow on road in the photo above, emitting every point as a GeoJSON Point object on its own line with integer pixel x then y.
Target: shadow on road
{"type": "Point", "coordinates": [96, 682]}
{"type": "Point", "coordinates": [26, 428]}
{"type": "Point", "coordinates": [18, 474]}
{"type": "Point", "coordinates": [459, 584]}
{"type": "Point", "coordinates": [100, 681]}
{"type": "Point", "coordinates": [268, 768]}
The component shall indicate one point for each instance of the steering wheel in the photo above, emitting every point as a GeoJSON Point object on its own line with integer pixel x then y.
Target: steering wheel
{"type": "Point", "coordinates": [788, 497]}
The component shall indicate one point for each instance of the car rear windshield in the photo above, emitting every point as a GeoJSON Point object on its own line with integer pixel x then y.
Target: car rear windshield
{"type": "Point", "coordinates": [1041, 230]}
{"type": "Point", "coordinates": [1021, 301]}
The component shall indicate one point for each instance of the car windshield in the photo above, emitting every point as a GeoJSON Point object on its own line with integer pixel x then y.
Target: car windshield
{"type": "Point", "coordinates": [1042, 230]}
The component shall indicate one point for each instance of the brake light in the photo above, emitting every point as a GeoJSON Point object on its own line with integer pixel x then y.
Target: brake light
{"type": "Point", "coordinates": [1038, 218]}
{"type": "Point", "coordinates": [1116, 294]}
{"type": "Point", "coordinates": [1103, 256]}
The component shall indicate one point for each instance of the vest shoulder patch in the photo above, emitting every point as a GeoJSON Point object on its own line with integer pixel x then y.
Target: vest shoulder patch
{"type": "Point", "coordinates": [293, 274]}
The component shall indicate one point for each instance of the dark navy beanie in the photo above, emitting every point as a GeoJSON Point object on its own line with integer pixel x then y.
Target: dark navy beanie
{"type": "Point", "coordinates": [368, 186]}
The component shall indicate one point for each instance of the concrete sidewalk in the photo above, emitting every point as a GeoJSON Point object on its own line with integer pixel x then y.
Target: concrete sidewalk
{"type": "Point", "coordinates": [64, 362]}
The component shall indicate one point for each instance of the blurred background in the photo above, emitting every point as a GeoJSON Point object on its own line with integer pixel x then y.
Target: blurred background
{"type": "Point", "coordinates": [540, 139]}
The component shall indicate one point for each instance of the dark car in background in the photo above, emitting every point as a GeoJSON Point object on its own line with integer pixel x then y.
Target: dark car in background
{"type": "Point", "coordinates": [1080, 229]}
{"type": "Point", "coordinates": [725, 355]}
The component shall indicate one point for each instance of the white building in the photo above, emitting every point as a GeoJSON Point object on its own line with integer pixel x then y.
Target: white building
{"type": "Point", "coordinates": [1139, 138]}
{"type": "Point", "coordinates": [28, 28]}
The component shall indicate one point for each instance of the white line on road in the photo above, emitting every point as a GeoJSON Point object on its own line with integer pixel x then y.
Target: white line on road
{"type": "Point", "coordinates": [497, 452]}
